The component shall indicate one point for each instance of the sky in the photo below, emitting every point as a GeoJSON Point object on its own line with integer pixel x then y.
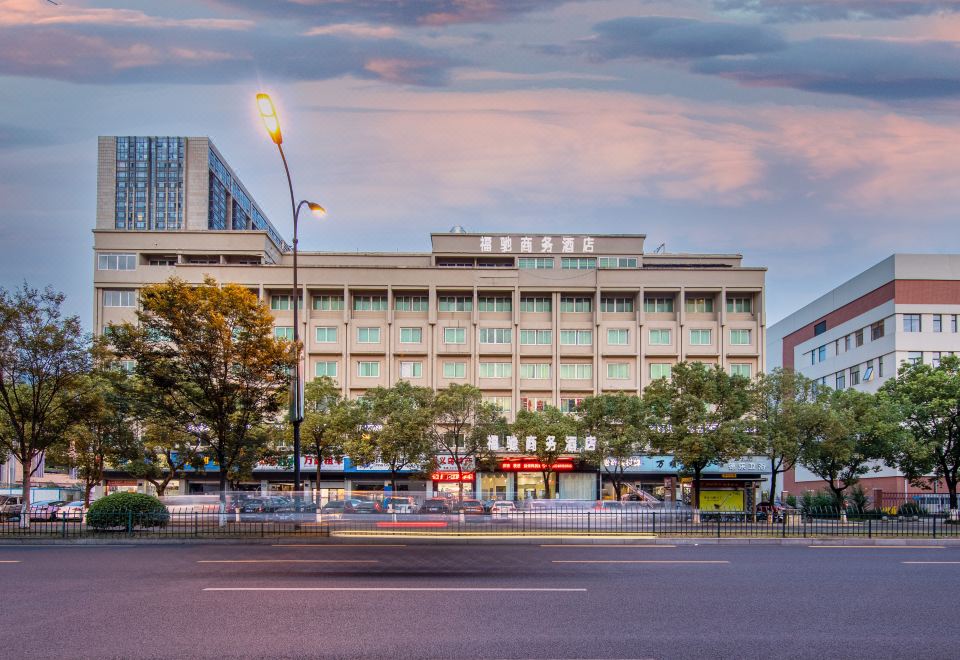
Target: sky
{"type": "Point", "coordinates": [814, 137]}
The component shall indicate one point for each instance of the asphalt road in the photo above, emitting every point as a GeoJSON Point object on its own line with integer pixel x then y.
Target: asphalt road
{"type": "Point", "coordinates": [478, 601]}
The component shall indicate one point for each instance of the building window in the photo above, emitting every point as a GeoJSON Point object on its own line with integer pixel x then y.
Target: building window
{"type": "Point", "coordinates": [937, 323]}
{"type": "Point", "coordinates": [282, 303]}
{"type": "Point", "coordinates": [454, 335]}
{"type": "Point", "coordinates": [283, 332]}
{"type": "Point", "coordinates": [659, 370]}
{"type": "Point", "coordinates": [536, 337]}
{"type": "Point", "coordinates": [868, 371]}
{"type": "Point", "coordinates": [876, 330]}
{"type": "Point", "coordinates": [854, 375]}
{"type": "Point", "coordinates": [841, 380]}
{"type": "Point", "coordinates": [368, 369]}
{"type": "Point", "coordinates": [701, 337]}
{"type": "Point", "coordinates": [822, 353]}
{"type": "Point", "coordinates": [119, 298]}
{"type": "Point", "coordinates": [368, 335]}
{"type": "Point", "coordinates": [911, 323]}
{"type": "Point", "coordinates": [503, 403]}
{"type": "Point", "coordinates": [578, 263]}
{"type": "Point", "coordinates": [616, 304]}
{"type": "Point", "coordinates": [935, 359]}
{"type": "Point", "coordinates": [858, 337]}
{"type": "Point", "coordinates": [326, 369]}
{"type": "Point", "coordinates": [618, 370]}
{"type": "Point", "coordinates": [327, 303]}
{"type": "Point", "coordinates": [534, 404]}
{"type": "Point", "coordinates": [739, 337]}
{"type": "Point", "coordinates": [744, 306]}
{"type": "Point", "coordinates": [495, 335]}
{"type": "Point", "coordinates": [496, 369]}
{"type": "Point", "coordinates": [411, 335]}
{"type": "Point", "coordinates": [658, 305]}
{"type": "Point", "coordinates": [617, 262]}
{"type": "Point", "coordinates": [369, 303]}
{"type": "Point", "coordinates": [111, 261]}
{"type": "Point", "coordinates": [953, 323]}
{"type": "Point", "coordinates": [537, 371]}
{"type": "Point", "coordinates": [740, 370]}
{"type": "Point", "coordinates": [659, 337]}
{"type": "Point", "coordinates": [570, 405]}
{"type": "Point", "coordinates": [880, 366]}
{"type": "Point", "coordinates": [327, 334]}
{"type": "Point", "coordinates": [846, 343]}
{"type": "Point", "coordinates": [820, 328]}
{"type": "Point", "coordinates": [411, 303]}
{"type": "Point", "coordinates": [576, 371]}
{"type": "Point", "coordinates": [915, 357]}
{"type": "Point", "coordinates": [535, 263]}
{"type": "Point", "coordinates": [454, 369]}
{"type": "Point", "coordinates": [699, 305]}
{"type": "Point", "coordinates": [455, 304]}
{"type": "Point", "coordinates": [411, 369]}
{"type": "Point", "coordinates": [570, 304]}
{"type": "Point", "coordinates": [618, 336]}
{"type": "Point", "coordinates": [494, 305]}
{"type": "Point", "coordinates": [576, 337]}
{"type": "Point", "coordinates": [535, 305]}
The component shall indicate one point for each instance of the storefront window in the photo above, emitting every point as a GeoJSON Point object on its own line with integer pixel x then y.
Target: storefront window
{"type": "Point", "coordinates": [495, 486]}
{"type": "Point", "coordinates": [530, 485]}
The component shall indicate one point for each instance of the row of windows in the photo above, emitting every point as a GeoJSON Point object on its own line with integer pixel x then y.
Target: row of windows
{"type": "Point", "coordinates": [529, 371]}
{"type": "Point", "coordinates": [615, 336]}
{"type": "Point", "coordinates": [939, 322]}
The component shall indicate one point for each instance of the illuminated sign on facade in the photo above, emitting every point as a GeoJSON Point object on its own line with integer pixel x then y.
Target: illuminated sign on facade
{"type": "Point", "coordinates": [537, 244]}
{"type": "Point", "coordinates": [533, 465]}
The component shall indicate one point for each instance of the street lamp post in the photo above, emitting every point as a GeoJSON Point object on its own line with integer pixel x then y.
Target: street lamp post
{"type": "Point", "coordinates": [272, 123]}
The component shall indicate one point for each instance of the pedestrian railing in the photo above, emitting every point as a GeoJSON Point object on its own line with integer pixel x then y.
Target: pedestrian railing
{"type": "Point", "coordinates": [199, 523]}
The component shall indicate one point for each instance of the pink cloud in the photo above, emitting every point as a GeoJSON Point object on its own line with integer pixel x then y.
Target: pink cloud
{"type": "Point", "coordinates": [41, 13]}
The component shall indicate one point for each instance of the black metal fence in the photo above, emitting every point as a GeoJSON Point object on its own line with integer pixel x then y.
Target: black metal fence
{"type": "Point", "coordinates": [207, 524]}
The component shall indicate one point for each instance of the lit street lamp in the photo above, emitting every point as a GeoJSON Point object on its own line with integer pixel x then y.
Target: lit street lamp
{"type": "Point", "coordinates": [272, 123]}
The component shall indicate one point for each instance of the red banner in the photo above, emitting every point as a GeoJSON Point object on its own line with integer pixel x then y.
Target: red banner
{"type": "Point", "coordinates": [533, 465]}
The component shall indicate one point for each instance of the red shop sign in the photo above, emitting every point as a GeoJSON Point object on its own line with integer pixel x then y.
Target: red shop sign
{"type": "Point", "coordinates": [533, 465]}
{"type": "Point", "coordinates": [464, 477]}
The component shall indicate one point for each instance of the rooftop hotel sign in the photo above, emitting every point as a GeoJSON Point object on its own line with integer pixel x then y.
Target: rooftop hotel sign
{"type": "Point", "coordinates": [537, 244]}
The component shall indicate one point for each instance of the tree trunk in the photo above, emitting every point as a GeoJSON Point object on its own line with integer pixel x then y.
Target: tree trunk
{"type": "Point", "coordinates": [161, 487]}
{"type": "Point", "coordinates": [25, 509]}
{"type": "Point", "coordinates": [87, 487]}
{"type": "Point", "coordinates": [952, 489]}
{"type": "Point", "coordinates": [316, 498]}
{"type": "Point", "coordinates": [773, 485]}
{"type": "Point", "coordinates": [617, 487]}
{"type": "Point", "coordinates": [695, 500]}
{"type": "Point", "coordinates": [223, 486]}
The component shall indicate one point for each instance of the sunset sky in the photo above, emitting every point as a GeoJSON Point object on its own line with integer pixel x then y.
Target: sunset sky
{"type": "Point", "coordinates": [815, 137]}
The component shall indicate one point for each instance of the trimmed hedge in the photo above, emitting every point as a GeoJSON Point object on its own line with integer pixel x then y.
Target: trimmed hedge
{"type": "Point", "coordinates": [127, 509]}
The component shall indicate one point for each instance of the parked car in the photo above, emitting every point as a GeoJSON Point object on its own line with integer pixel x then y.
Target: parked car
{"type": "Point", "coordinates": [435, 506]}
{"type": "Point", "coordinates": [72, 511]}
{"type": "Point", "coordinates": [362, 506]}
{"type": "Point", "coordinates": [10, 507]}
{"type": "Point", "coordinates": [469, 507]}
{"type": "Point", "coordinates": [502, 510]}
{"type": "Point", "coordinates": [45, 510]}
{"type": "Point", "coordinates": [267, 507]}
{"type": "Point", "coordinates": [333, 506]}
{"type": "Point", "coordinates": [399, 504]}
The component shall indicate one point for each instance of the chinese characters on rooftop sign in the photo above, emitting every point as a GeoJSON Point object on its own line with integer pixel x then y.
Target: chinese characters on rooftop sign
{"type": "Point", "coordinates": [537, 244]}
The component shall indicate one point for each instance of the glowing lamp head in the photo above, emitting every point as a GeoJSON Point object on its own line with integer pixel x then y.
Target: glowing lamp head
{"type": "Point", "coordinates": [317, 210]}
{"type": "Point", "coordinates": [268, 114]}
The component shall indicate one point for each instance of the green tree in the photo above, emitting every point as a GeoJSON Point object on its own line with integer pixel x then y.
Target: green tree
{"type": "Point", "coordinates": [208, 362]}
{"type": "Point", "coordinates": [461, 422]}
{"type": "Point", "coordinates": [699, 413]}
{"type": "Point", "coordinates": [549, 428]}
{"type": "Point", "coordinates": [929, 401]}
{"type": "Point", "coordinates": [851, 431]}
{"type": "Point", "coordinates": [104, 429]}
{"type": "Point", "coordinates": [621, 424]}
{"type": "Point", "coordinates": [784, 418]}
{"type": "Point", "coordinates": [160, 453]}
{"type": "Point", "coordinates": [398, 431]}
{"type": "Point", "coordinates": [44, 360]}
{"type": "Point", "coordinates": [330, 422]}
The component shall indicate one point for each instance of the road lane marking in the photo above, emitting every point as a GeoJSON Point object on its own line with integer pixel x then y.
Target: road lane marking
{"type": "Point", "coordinates": [603, 545]}
{"type": "Point", "coordinates": [640, 561]}
{"type": "Point", "coordinates": [339, 545]}
{"type": "Point", "coordinates": [930, 562]}
{"type": "Point", "coordinates": [429, 589]}
{"type": "Point", "coordinates": [288, 561]}
{"type": "Point", "coordinates": [10, 561]}
{"type": "Point", "coordinates": [883, 547]}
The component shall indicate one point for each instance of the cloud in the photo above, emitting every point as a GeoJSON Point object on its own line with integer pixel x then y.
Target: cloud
{"type": "Point", "coordinates": [42, 13]}
{"type": "Point", "coordinates": [112, 54]}
{"type": "Point", "coordinates": [393, 12]}
{"type": "Point", "coordinates": [364, 30]}
{"type": "Point", "coordinates": [836, 10]}
{"type": "Point", "coordinates": [659, 37]}
{"type": "Point", "coordinates": [870, 68]}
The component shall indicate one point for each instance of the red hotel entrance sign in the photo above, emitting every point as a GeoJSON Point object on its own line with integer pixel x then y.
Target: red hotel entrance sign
{"type": "Point", "coordinates": [465, 477]}
{"type": "Point", "coordinates": [533, 465]}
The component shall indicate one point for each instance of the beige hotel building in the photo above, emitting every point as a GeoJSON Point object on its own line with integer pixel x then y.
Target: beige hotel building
{"type": "Point", "coordinates": [531, 319]}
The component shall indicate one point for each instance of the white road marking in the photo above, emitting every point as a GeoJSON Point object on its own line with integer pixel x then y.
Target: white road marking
{"type": "Point", "coordinates": [10, 561]}
{"type": "Point", "coordinates": [930, 562]}
{"type": "Point", "coordinates": [640, 561]}
{"type": "Point", "coordinates": [288, 561]}
{"type": "Point", "coordinates": [338, 545]}
{"type": "Point", "coordinates": [451, 589]}
{"type": "Point", "coordinates": [602, 545]}
{"type": "Point", "coordinates": [882, 547]}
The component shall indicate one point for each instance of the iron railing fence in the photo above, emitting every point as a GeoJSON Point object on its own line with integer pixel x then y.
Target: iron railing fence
{"type": "Point", "coordinates": [199, 524]}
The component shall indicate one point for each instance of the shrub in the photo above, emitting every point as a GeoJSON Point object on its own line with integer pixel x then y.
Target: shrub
{"type": "Point", "coordinates": [910, 509]}
{"type": "Point", "coordinates": [792, 501]}
{"type": "Point", "coordinates": [121, 509]}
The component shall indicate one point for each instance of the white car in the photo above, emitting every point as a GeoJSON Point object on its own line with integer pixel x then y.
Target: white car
{"type": "Point", "coordinates": [502, 510]}
{"type": "Point", "coordinates": [72, 511]}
